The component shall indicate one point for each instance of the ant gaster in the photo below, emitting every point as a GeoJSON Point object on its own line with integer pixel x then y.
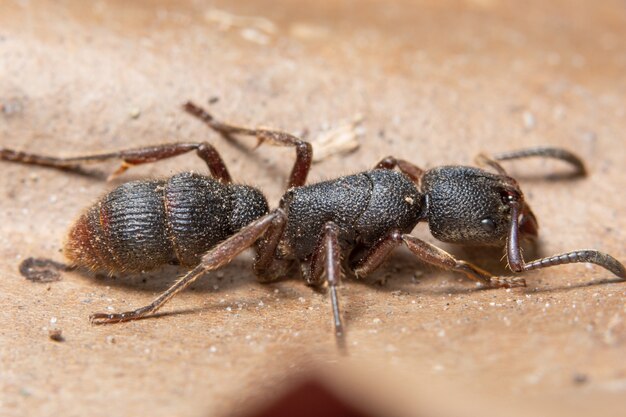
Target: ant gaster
{"type": "Point", "coordinates": [204, 222]}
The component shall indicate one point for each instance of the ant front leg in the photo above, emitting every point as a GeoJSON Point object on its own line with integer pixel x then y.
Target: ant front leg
{"type": "Point", "coordinates": [517, 263]}
{"type": "Point", "coordinates": [129, 157]}
{"type": "Point", "coordinates": [431, 255]}
{"type": "Point", "coordinates": [304, 150]}
{"type": "Point", "coordinates": [215, 258]}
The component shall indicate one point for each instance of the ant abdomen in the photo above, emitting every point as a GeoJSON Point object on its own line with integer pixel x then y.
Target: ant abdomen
{"type": "Point", "coordinates": [144, 224]}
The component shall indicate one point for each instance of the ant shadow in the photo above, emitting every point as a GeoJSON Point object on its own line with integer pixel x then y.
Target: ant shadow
{"type": "Point", "coordinates": [79, 171]}
{"type": "Point", "coordinates": [230, 277]}
{"type": "Point", "coordinates": [567, 288]}
{"type": "Point", "coordinates": [402, 272]}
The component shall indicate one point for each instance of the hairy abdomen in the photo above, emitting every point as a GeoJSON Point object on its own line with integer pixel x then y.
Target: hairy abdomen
{"type": "Point", "coordinates": [144, 224]}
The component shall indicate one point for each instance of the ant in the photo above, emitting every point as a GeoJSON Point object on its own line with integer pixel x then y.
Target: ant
{"type": "Point", "coordinates": [204, 222]}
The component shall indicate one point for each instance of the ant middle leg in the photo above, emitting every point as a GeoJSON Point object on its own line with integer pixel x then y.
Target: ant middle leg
{"type": "Point", "coordinates": [215, 258]}
{"type": "Point", "coordinates": [431, 255]}
{"type": "Point", "coordinates": [327, 257]}
{"type": "Point", "coordinates": [304, 150]}
{"type": "Point", "coordinates": [129, 157]}
{"type": "Point", "coordinates": [412, 171]}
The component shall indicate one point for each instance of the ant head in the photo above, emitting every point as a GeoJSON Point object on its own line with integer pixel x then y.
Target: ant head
{"type": "Point", "coordinates": [471, 206]}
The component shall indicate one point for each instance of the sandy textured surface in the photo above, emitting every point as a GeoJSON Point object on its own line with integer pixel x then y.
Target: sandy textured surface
{"type": "Point", "coordinates": [435, 82]}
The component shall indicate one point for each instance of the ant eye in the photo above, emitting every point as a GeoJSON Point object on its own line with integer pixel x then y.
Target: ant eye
{"type": "Point", "coordinates": [488, 224]}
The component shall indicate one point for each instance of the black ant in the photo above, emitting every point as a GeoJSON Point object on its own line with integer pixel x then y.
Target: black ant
{"type": "Point", "coordinates": [204, 222]}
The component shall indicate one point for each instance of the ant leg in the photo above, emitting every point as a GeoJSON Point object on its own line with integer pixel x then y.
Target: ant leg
{"type": "Point", "coordinates": [517, 263]}
{"type": "Point", "coordinates": [267, 267]}
{"type": "Point", "coordinates": [129, 158]}
{"type": "Point", "coordinates": [407, 168]}
{"type": "Point", "coordinates": [304, 151]}
{"type": "Point", "coordinates": [215, 258]}
{"type": "Point", "coordinates": [327, 256]}
{"type": "Point", "coordinates": [432, 255]}
{"type": "Point", "coordinates": [542, 152]}
{"type": "Point", "coordinates": [376, 255]}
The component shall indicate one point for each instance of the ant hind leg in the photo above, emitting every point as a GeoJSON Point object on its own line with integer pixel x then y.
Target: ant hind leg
{"type": "Point", "coordinates": [215, 258]}
{"type": "Point", "coordinates": [129, 157]}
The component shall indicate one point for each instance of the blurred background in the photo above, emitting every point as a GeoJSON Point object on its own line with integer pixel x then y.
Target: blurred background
{"type": "Point", "coordinates": [434, 82]}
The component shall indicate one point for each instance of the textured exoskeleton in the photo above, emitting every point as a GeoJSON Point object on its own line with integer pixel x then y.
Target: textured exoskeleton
{"type": "Point", "coordinates": [204, 222]}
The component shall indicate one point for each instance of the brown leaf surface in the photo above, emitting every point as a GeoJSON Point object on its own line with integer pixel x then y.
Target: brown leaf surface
{"type": "Point", "coordinates": [436, 81]}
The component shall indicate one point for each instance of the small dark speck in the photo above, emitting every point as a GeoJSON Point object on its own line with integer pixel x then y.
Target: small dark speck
{"type": "Point", "coordinates": [56, 335]}
{"type": "Point", "coordinates": [214, 99]}
{"type": "Point", "coordinates": [11, 107]}
{"type": "Point", "coordinates": [580, 379]}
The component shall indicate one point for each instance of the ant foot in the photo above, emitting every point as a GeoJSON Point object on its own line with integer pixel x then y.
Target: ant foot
{"type": "Point", "coordinates": [507, 282]}
{"type": "Point", "coordinates": [108, 318]}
